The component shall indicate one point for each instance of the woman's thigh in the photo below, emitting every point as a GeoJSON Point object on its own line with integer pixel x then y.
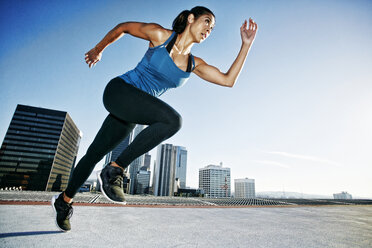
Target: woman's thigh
{"type": "Point", "coordinates": [136, 106]}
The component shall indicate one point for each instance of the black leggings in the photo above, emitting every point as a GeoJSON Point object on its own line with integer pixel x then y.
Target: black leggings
{"type": "Point", "coordinates": [127, 106]}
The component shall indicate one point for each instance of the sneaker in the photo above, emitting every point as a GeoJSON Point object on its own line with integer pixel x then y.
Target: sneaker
{"type": "Point", "coordinates": [111, 180]}
{"type": "Point", "coordinates": [63, 212]}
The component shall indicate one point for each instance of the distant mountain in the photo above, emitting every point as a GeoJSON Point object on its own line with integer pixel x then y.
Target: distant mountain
{"type": "Point", "coordinates": [295, 195]}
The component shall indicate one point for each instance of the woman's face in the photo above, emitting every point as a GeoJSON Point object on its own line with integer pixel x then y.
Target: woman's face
{"type": "Point", "coordinates": [202, 27]}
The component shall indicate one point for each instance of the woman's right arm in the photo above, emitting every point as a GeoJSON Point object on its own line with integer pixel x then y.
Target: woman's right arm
{"type": "Point", "coordinates": [152, 32]}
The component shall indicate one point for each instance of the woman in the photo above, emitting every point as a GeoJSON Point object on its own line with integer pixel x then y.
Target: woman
{"type": "Point", "coordinates": [132, 98]}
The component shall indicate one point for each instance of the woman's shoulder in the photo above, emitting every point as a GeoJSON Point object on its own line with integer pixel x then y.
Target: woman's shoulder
{"type": "Point", "coordinates": [198, 61]}
{"type": "Point", "coordinates": [159, 34]}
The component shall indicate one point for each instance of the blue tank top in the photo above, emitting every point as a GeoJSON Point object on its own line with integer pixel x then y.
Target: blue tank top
{"type": "Point", "coordinates": [156, 72]}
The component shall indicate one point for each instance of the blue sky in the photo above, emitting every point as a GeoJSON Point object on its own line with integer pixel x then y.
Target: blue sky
{"type": "Point", "coordinates": [298, 119]}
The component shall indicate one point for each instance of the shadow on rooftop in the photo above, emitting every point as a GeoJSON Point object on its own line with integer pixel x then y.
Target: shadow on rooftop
{"type": "Point", "coordinates": [17, 234]}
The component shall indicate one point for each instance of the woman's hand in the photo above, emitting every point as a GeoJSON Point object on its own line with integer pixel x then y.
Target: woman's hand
{"type": "Point", "coordinates": [92, 57]}
{"type": "Point", "coordinates": [228, 79]}
{"type": "Point", "coordinates": [248, 34]}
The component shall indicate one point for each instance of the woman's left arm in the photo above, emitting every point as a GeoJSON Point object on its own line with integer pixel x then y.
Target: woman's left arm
{"type": "Point", "coordinates": [228, 79]}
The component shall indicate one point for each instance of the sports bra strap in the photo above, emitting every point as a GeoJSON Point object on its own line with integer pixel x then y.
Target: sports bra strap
{"type": "Point", "coordinates": [193, 62]}
{"type": "Point", "coordinates": [190, 64]}
{"type": "Point", "coordinates": [171, 43]}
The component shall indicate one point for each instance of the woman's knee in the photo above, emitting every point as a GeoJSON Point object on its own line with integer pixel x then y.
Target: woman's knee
{"type": "Point", "coordinates": [175, 122]}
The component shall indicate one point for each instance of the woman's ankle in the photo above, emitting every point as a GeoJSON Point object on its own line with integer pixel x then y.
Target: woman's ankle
{"type": "Point", "coordinates": [66, 198]}
{"type": "Point", "coordinates": [114, 164]}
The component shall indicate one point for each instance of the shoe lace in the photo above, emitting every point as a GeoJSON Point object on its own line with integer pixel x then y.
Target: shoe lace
{"type": "Point", "coordinates": [68, 211]}
{"type": "Point", "coordinates": [117, 180]}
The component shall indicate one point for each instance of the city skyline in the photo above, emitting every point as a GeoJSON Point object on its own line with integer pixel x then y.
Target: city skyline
{"type": "Point", "coordinates": [298, 118]}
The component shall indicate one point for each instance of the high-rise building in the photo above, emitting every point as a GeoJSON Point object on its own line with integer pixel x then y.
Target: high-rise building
{"type": "Point", "coordinates": [342, 196]}
{"type": "Point", "coordinates": [164, 173]}
{"type": "Point", "coordinates": [152, 187]}
{"type": "Point", "coordinates": [147, 163]}
{"type": "Point", "coordinates": [39, 149]}
{"type": "Point", "coordinates": [245, 188]}
{"type": "Point", "coordinates": [170, 162]}
{"type": "Point", "coordinates": [143, 182]}
{"type": "Point", "coordinates": [143, 177]}
{"type": "Point", "coordinates": [215, 181]}
{"type": "Point", "coordinates": [181, 164]}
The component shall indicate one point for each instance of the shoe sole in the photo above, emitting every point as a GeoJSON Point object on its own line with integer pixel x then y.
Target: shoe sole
{"type": "Point", "coordinates": [103, 192]}
{"type": "Point", "coordinates": [54, 198]}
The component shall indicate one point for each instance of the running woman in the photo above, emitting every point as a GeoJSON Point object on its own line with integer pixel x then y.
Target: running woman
{"type": "Point", "coordinates": [132, 98]}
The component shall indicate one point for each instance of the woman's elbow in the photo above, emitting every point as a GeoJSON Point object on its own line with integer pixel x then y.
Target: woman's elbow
{"type": "Point", "coordinates": [122, 27]}
{"type": "Point", "coordinates": [228, 82]}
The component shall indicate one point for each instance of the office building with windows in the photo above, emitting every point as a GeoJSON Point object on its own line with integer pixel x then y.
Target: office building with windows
{"type": "Point", "coordinates": [215, 181]}
{"type": "Point", "coordinates": [147, 161]}
{"type": "Point", "coordinates": [143, 182]}
{"type": "Point", "coordinates": [39, 149]}
{"type": "Point", "coordinates": [245, 188]}
{"type": "Point", "coordinates": [171, 161]}
{"type": "Point", "coordinates": [181, 164]}
{"type": "Point", "coordinates": [342, 196]}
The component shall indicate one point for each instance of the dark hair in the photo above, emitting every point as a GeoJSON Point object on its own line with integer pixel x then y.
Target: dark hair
{"type": "Point", "coordinates": [179, 24]}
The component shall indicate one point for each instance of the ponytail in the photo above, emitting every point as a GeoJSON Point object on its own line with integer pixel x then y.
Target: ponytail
{"type": "Point", "coordinates": [180, 23]}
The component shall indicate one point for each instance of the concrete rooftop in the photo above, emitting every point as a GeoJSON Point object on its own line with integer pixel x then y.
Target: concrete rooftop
{"type": "Point", "coordinates": [110, 226]}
